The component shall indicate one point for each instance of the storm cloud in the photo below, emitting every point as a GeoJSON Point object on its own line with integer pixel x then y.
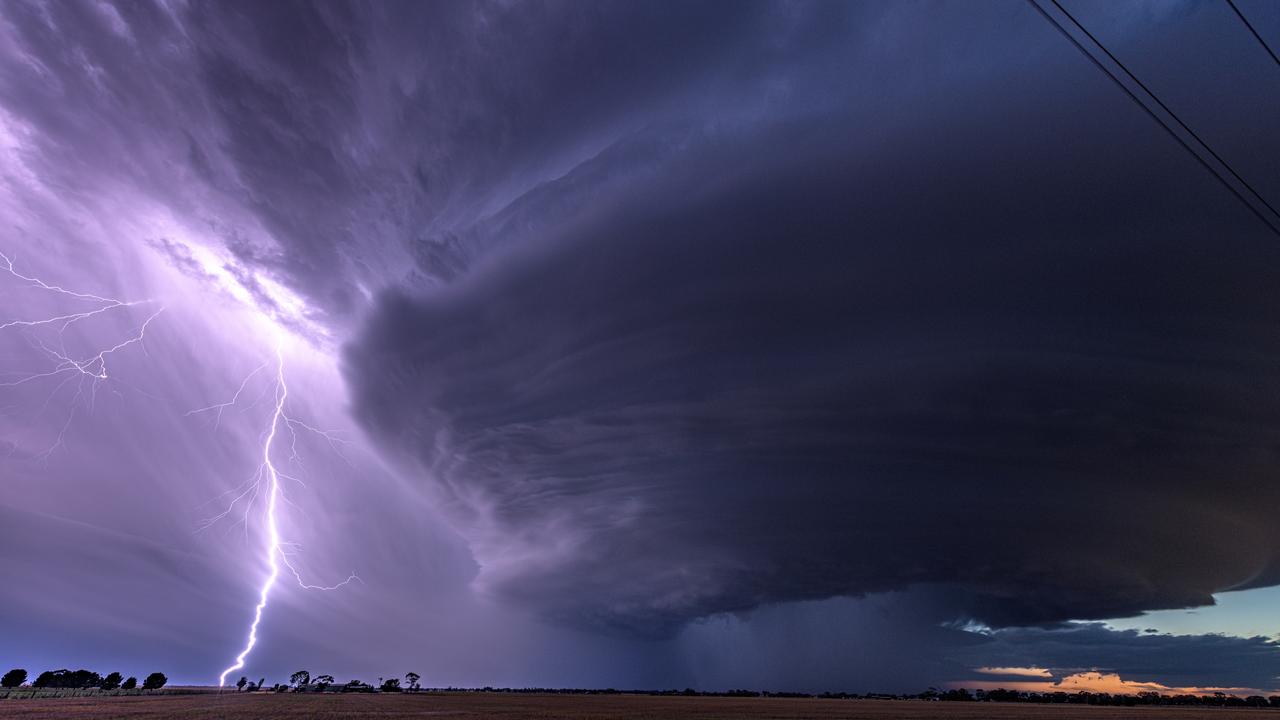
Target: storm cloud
{"type": "Point", "coordinates": [693, 344]}
{"type": "Point", "coordinates": [1008, 349]}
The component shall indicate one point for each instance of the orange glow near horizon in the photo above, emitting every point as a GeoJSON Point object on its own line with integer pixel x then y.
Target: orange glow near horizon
{"type": "Point", "coordinates": [1018, 671]}
{"type": "Point", "coordinates": [1092, 681]}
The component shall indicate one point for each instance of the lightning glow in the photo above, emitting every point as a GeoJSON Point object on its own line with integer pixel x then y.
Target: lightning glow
{"type": "Point", "coordinates": [280, 313]}
{"type": "Point", "coordinates": [88, 369]}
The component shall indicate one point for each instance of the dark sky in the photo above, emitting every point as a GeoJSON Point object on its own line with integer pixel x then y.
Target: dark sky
{"type": "Point", "coordinates": [862, 346]}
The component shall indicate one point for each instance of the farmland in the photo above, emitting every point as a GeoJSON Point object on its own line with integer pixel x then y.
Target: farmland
{"type": "Point", "coordinates": [473, 706]}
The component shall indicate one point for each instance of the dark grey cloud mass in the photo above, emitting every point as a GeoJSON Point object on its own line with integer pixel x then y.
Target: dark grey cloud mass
{"type": "Point", "coordinates": [985, 340]}
{"type": "Point", "coordinates": [688, 330]}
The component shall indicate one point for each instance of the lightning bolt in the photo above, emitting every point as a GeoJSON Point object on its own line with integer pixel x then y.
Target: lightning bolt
{"type": "Point", "coordinates": [274, 549]}
{"type": "Point", "coordinates": [87, 371]}
{"type": "Point", "coordinates": [90, 370]}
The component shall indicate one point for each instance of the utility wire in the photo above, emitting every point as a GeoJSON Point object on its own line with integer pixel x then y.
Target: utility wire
{"type": "Point", "coordinates": [1151, 113]}
{"type": "Point", "coordinates": [1164, 107]}
{"type": "Point", "coordinates": [1249, 25]}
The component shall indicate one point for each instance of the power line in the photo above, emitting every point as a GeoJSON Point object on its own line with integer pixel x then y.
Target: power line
{"type": "Point", "coordinates": [1151, 113]}
{"type": "Point", "coordinates": [1164, 107]}
{"type": "Point", "coordinates": [1249, 25]}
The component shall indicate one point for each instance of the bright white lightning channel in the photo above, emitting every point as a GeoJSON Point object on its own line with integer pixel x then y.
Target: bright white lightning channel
{"type": "Point", "coordinates": [274, 548]}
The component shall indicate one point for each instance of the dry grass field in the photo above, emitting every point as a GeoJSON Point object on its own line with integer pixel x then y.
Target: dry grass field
{"type": "Point", "coordinates": [472, 706]}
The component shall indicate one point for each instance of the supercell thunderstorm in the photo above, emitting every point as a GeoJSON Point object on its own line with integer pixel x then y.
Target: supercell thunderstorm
{"type": "Point", "coordinates": [810, 346]}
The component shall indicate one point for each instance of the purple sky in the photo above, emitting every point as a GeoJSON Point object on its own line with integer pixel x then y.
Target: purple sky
{"type": "Point", "coordinates": [785, 345]}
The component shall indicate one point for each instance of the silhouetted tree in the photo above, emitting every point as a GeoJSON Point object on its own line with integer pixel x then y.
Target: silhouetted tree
{"type": "Point", "coordinates": [260, 683]}
{"type": "Point", "coordinates": [302, 677]}
{"type": "Point", "coordinates": [111, 681]}
{"type": "Point", "coordinates": [356, 686]}
{"type": "Point", "coordinates": [324, 681]}
{"type": "Point", "coordinates": [412, 678]}
{"type": "Point", "coordinates": [391, 685]}
{"type": "Point", "coordinates": [130, 684]}
{"type": "Point", "coordinates": [13, 678]}
{"type": "Point", "coordinates": [154, 681]}
{"type": "Point", "coordinates": [241, 683]}
{"type": "Point", "coordinates": [67, 679]}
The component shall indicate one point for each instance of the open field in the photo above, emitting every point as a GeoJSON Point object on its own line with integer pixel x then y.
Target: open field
{"type": "Point", "coordinates": [473, 706]}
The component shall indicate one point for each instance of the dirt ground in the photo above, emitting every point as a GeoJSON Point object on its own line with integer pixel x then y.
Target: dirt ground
{"type": "Point", "coordinates": [469, 706]}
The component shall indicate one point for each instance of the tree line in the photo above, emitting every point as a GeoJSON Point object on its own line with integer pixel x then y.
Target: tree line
{"type": "Point", "coordinates": [1216, 699]}
{"type": "Point", "coordinates": [302, 681]}
{"type": "Point", "coordinates": [81, 680]}
{"type": "Point", "coordinates": [1149, 697]}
